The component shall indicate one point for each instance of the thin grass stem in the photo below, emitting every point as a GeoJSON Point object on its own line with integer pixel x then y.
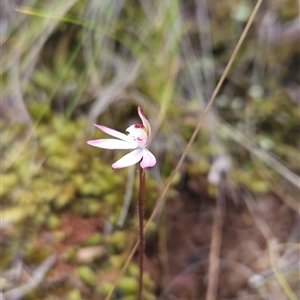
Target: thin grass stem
{"type": "Point", "coordinates": [215, 246]}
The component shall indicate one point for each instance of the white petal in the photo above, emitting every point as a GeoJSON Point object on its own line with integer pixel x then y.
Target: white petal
{"type": "Point", "coordinates": [114, 133]}
{"type": "Point", "coordinates": [112, 144]}
{"type": "Point", "coordinates": [145, 121]}
{"type": "Point", "coordinates": [129, 159]}
{"type": "Point", "coordinates": [149, 159]}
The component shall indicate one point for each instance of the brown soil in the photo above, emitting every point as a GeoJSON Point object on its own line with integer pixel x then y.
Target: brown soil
{"type": "Point", "coordinates": [185, 247]}
{"type": "Point", "coordinates": [177, 257]}
{"type": "Point", "coordinates": [76, 231]}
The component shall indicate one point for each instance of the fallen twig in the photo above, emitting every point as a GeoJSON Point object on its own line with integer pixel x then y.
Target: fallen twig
{"type": "Point", "coordinates": [36, 279]}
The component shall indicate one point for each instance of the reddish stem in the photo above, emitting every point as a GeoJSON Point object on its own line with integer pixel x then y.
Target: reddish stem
{"type": "Point", "coordinates": [141, 228]}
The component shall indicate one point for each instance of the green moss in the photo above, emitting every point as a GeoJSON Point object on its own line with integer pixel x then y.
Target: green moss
{"type": "Point", "coordinates": [13, 215]}
{"type": "Point", "coordinates": [133, 270]}
{"type": "Point", "coordinates": [35, 255]}
{"type": "Point", "coordinates": [58, 235]}
{"type": "Point", "coordinates": [53, 221]}
{"type": "Point", "coordinates": [128, 285]}
{"type": "Point", "coordinates": [251, 180]}
{"type": "Point", "coordinates": [149, 296]}
{"type": "Point", "coordinates": [88, 207]}
{"type": "Point", "coordinates": [78, 180]}
{"type": "Point", "coordinates": [113, 199]}
{"type": "Point", "coordinates": [129, 297]}
{"type": "Point", "coordinates": [152, 229]}
{"type": "Point", "coordinates": [116, 261]}
{"type": "Point", "coordinates": [86, 275]}
{"type": "Point", "coordinates": [49, 194]}
{"type": "Point", "coordinates": [38, 108]}
{"type": "Point", "coordinates": [48, 168]}
{"type": "Point", "coordinates": [67, 194]}
{"type": "Point", "coordinates": [74, 295]}
{"type": "Point", "coordinates": [94, 240]}
{"type": "Point", "coordinates": [104, 288]}
{"type": "Point", "coordinates": [54, 145]}
{"type": "Point", "coordinates": [90, 189]}
{"type": "Point", "coordinates": [69, 254]}
{"type": "Point", "coordinates": [148, 283]}
{"type": "Point", "coordinates": [8, 182]}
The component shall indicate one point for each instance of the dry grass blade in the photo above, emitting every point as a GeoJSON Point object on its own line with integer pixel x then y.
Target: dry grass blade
{"type": "Point", "coordinates": [215, 248]}
{"type": "Point", "coordinates": [35, 280]}
{"type": "Point", "coordinates": [273, 247]}
{"type": "Point", "coordinates": [274, 255]}
{"type": "Point", "coordinates": [199, 125]}
{"type": "Point", "coordinates": [127, 196]}
{"type": "Point", "coordinates": [281, 192]}
{"type": "Point", "coordinates": [263, 155]}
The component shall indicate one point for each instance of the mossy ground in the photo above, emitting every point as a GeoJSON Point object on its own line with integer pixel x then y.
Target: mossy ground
{"type": "Point", "coordinates": [67, 65]}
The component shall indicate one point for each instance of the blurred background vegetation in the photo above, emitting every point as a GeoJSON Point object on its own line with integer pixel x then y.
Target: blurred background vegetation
{"type": "Point", "coordinates": [68, 64]}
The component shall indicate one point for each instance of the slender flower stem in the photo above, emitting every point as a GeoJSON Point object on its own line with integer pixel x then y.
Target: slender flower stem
{"type": "Point", "coordinates": [141, 228]}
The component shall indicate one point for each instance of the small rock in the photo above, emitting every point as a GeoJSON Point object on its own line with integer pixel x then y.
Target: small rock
{"type": "Point", "coordinates": [89, 254]}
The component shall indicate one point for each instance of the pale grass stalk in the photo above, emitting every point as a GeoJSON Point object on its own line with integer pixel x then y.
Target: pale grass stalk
{"type": "Point", "coordinates": [273, 257]}
{"type": "Point", "coordinates": [114, 90]}
{"type": "Point", "coordinates": [215, 247]}
{"type": "Point", "coordinates": [268, 158]}
{"type": "Point", "coordinates": [34, 281]}
{"type": "Point", "coordinates": [53, 17]}
{"type": "Point", "coordinates": [184, 154]}
{"type": "Point", "coordinates": [127, 196]}
{"type": "Point", "coordinates": [277, 188]}
{"type": "Point", "coordinates": [209, 76]}
{"type": "Point", "coordinates": [166, 97]}
{"type": "Point", "coordinates": [272, 243]}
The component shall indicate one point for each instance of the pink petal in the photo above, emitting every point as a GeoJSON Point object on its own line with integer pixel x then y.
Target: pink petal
{"type": "Point", "coordinates": [113, 144]}
{"type": "Point", "coordinates": [145, 121]}
{"type": "Point", "coordinates": [114, 133]}
{"type": "Point", "coordinates": [129, 159]}
{"type": "Point", "coordinates": [149, 159]}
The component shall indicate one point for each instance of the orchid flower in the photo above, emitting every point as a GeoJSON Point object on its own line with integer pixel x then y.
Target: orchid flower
{"type": "Point", "coordinates": [137, 138]}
